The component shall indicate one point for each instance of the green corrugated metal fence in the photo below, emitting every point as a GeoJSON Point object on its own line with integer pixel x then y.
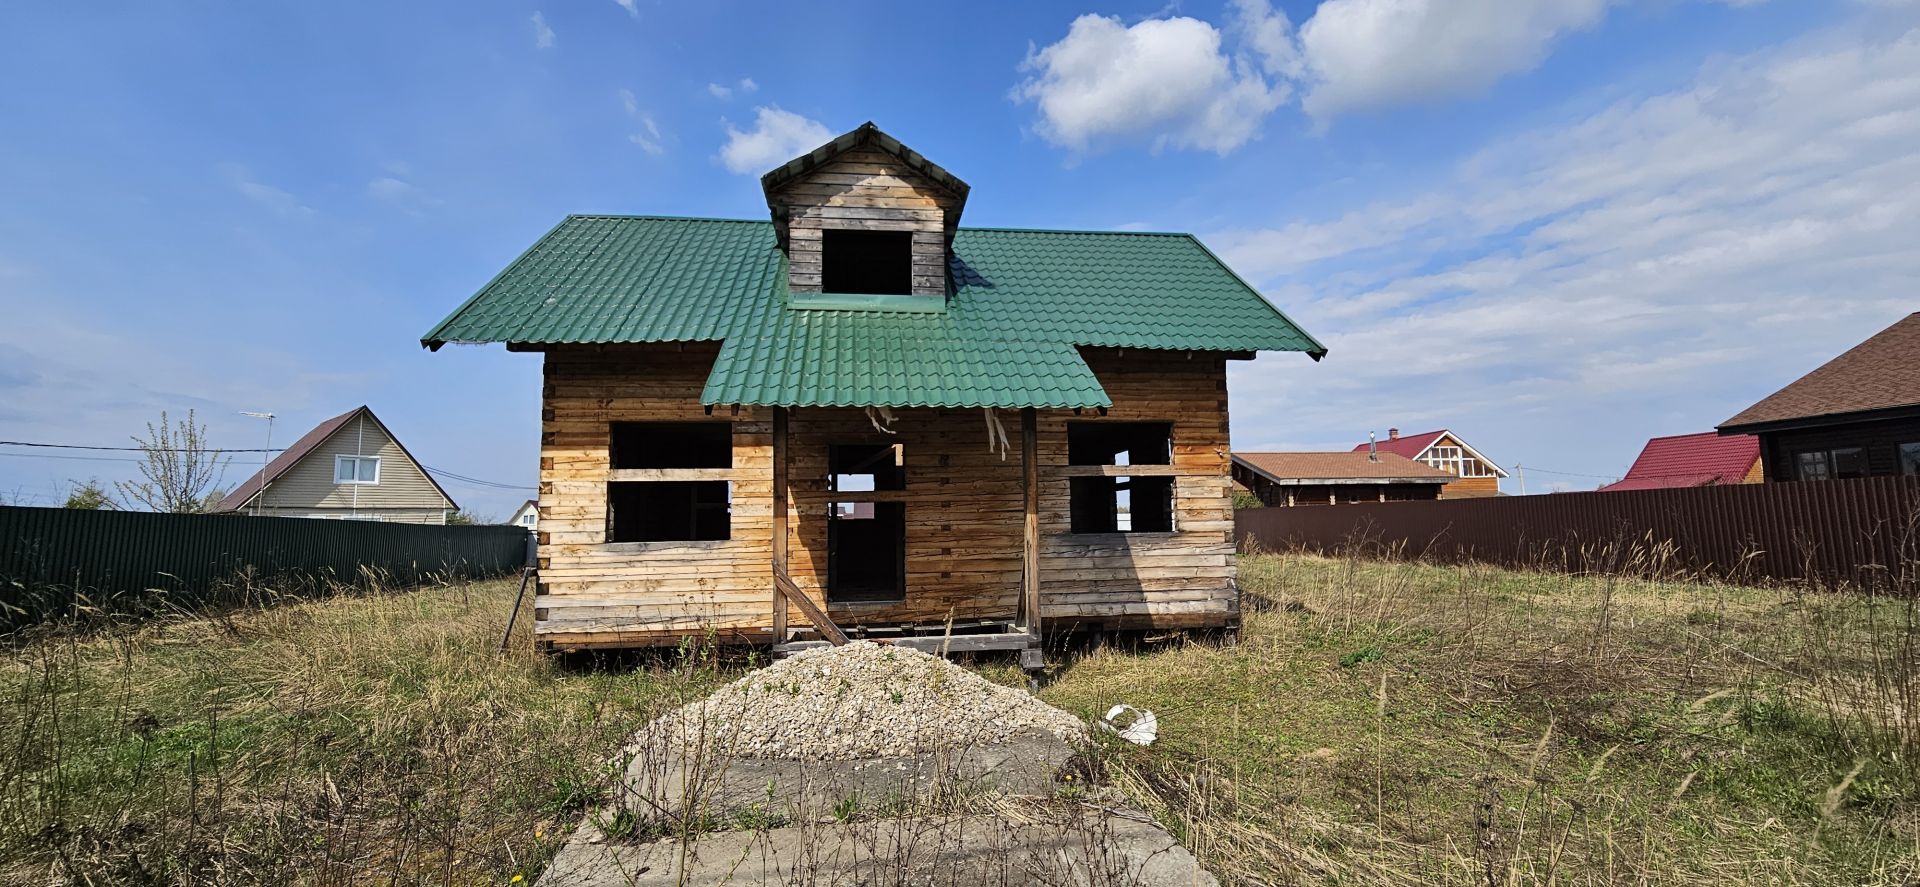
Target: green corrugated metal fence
{"type": "Point", "coordinates": [56, 562]}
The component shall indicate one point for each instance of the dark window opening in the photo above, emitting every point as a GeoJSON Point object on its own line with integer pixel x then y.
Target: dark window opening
{"type": "Point", "coordinates": [670, 445]}
{"type": "Point", "coordinates": [859, 468]}
{"type": "Point", "coordinates": [1120, 504]}
{"type": "Point", "coordinates": [668, 511]}
{"type": "Point", "coordinates": [873, 262]}
{"type": "Point", "coordinates": [1849, 462]}
{"type": "Point", "coordinates": [866, 552]}
{"type": "Point", "coordinates": [1119, 443]}
{"type": "Point", "coordinates": [1844, 462]}
{"type": "Point", "coordinates": [1910, 459]}
{"type": "Point", "coordinates": [1811, 466]}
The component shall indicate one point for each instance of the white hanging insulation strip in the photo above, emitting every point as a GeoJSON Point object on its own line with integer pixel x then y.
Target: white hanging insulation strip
{"type": "Point", "coordinates": [883, 422]}
{"type": "Point", "coordinates": [996, 434]}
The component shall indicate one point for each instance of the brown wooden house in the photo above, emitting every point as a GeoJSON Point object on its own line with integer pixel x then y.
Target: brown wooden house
{"type": "Point", "coordinates": [857, 416]}
{"type": "Point", "coordinates": [1857, 415]}
{"type": "Point", "coordinates": [1295, 479]}
{"type": "Point", "coordinates": [1476, 476]}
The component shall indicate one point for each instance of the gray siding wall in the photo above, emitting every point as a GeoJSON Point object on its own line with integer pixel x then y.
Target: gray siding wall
{"type": "Point", "coordinates": [404, 489]}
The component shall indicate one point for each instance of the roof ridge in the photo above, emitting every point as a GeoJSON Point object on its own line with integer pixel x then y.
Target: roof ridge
{"type": "Point", "coordinates": [997, 229]}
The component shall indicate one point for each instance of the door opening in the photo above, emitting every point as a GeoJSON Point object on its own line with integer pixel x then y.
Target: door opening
{"type": "Point", "coordinates": [866, 552]}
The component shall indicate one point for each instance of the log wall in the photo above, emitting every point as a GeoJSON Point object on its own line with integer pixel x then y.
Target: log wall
{"type": "Point", "coordinates": [598, 593]}
{"type": "Point", "coordinates": [964, 508]}
{"type": "Point", "coordinates": [1179, 579]}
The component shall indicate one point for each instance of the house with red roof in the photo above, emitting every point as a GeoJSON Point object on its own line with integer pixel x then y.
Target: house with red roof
{"type": "Point", "coordinates": [1477, 476]}
{"type": "Point", "coordinates": [350, 467]}
{"type": "Point", "coordinates": [1283, 479]}
{"type": "Point", "coordinates": [1706, 459]}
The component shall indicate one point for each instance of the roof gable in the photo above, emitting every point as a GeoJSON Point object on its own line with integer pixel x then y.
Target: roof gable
{"type": "Point", "coordinates": [866, 135]}
{"type": "Point", "coordinates": [1880, 373]}
{"type": "Point", "coordinates": [1023, 302]}
{"type": "Point", "coordinates": [1691, 460]}
{"type": "Point", "coordinates": [1415, 446]}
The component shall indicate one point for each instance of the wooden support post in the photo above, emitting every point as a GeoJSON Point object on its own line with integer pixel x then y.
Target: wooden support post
{"type": "Point", "coordinates": [821, 623]}
{"type": "Point", "coordinates": [1030, 541]}
{"type": "Point", "coordinates": [779, 522]}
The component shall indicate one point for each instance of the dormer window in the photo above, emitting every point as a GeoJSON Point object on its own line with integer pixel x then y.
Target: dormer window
{"type": "Point", "coordinates": [864, 215]}
{"type": "Point", "coordinates": [868, 262]}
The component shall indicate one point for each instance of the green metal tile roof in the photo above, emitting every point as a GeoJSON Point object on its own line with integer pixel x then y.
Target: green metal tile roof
{"type": "Point", "coordinates": [1022, 302]}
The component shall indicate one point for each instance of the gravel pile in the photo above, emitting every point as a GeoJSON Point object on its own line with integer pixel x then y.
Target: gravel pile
{"type": "Point", "coordinates": [863, 700]}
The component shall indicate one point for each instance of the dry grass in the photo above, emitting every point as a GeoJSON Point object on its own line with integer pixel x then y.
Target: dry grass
{"type": "Point", "coordinates": [368, 737]}
{"type": "Point", "coordinates": [1374, 724]}
{"type": "Point", "coordinates": [1414, 724]}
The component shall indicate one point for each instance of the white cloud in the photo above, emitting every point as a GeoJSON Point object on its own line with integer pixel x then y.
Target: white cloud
{"type": "Point", "coordinates": [542, 35]}
{"type": "Point", "coordinates": [631, 6]}
{"type": "Point", "coordinates": [400, 193]}
{"type": "Point", "coordinates": [1179, 82]}
{"type": "Point", "coordinates": [1661, 263]}
{"type": "Point", "coordinates": [777, 136]}
{"type": "Point", "coordinates": [650, 138]}
{"type": "Point", "coordinates": [745, 86]}
{"type": "Point", "coordinates": [1166, 81]}
{"type": "Point", "coordinates": [1364, 54]}
{"type": "Point", "coordinates": [281, 202]}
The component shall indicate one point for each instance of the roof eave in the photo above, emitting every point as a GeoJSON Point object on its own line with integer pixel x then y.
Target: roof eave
{"type": "Point", "coordinates": [1797, 422]}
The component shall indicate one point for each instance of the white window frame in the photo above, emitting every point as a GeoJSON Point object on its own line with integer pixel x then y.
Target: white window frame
{"type": "Point", "coordinates": [340, 462]}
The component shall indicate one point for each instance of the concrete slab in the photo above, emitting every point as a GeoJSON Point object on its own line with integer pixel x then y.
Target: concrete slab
{"type": "Point", "coordinates": [663, 780]}
{"type": "Point", "coordinates": [1090, 849]}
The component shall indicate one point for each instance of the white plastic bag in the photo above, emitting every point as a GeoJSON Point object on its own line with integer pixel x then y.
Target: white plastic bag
{"type": "Point", "coordinates": [1144, 729]}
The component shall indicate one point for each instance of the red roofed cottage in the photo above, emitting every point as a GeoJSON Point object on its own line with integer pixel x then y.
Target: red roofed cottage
{"type": "Point", "coordinates": [1693, 460]}
{"type": "Point", "coordinates": [1478, 476]}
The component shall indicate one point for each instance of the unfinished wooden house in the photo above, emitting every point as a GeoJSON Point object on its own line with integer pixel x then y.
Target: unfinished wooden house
{"type": "Point", "coordinates": [857, 417]}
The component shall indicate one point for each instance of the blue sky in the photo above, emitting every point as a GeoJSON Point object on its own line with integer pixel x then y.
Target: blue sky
{"type": "Point", "coordinates": [1555, 226]}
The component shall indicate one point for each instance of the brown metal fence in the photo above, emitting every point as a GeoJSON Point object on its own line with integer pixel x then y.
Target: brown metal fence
{"type": "Point", "coordinates": [57, 562]}
{"type": "Point", "coordinates": [1860, 531]}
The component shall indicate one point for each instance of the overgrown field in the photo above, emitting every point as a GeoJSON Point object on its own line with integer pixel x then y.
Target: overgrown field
{"type": "Point", "coordinates": [1374, 724]}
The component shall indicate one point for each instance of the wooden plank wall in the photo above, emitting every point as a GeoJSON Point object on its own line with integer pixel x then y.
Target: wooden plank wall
{"type": "Point", "coordinates": [1179, 579]}
{"type": "Point", "coordinates": [964, 508]}
{"type": "Point", "coordinates": [868, 190]}
{"type": "Point", "coordinates": [964, 512]}
{"type": "Point", "coordinates": [596, 593]}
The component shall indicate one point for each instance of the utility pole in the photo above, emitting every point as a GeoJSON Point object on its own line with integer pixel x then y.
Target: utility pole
{"type": "Point", "coordinates": [265, 456]}
{"type": "Point", "coordinates": [1521, 470]}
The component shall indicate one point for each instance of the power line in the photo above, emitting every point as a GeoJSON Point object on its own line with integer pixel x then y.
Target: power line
{"type": "Point", "coordinates": [475, 480]}
{"type": "Point", "coordinates": [22, 443]}
{"type": "Point", "coordinates": [72, 458]}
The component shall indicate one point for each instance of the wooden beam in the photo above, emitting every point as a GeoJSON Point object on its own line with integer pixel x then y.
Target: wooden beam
{"type": "Point", "coordinates": [814, 614]}
{"type": "Point", "coordinates": [1030, 536]}
{"type": "Point", "coordinates": [779, 522]}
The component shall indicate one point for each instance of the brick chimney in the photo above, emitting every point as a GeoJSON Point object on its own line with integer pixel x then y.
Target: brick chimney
{"type": "Point", "coordinates": [1393, 434]}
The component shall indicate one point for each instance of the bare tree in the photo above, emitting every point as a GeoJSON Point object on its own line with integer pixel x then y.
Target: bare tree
{"type": "Point", "coordinates": [180, 469]}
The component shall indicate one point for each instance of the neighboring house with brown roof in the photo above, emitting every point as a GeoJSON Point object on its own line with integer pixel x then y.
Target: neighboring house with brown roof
{"type": "Point", "coordinates": [527, 515]}
{"type": "Point", "coordinates": [348, 467]}
{"type": "Point", "coordinates": [1706, 459]}
{"type": "Point", "coordinates": [1857, 415]}
{"type": "Point", "coordinates": [1280, 479]}
{"type": "Point", "coordinates": [1477, 476]}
